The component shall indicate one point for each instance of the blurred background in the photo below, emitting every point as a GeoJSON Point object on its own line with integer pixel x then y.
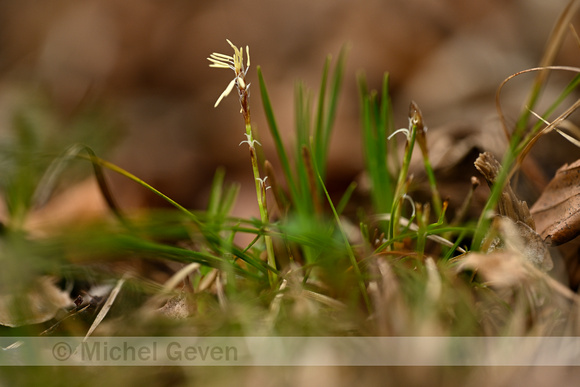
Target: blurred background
{"type": "Point", "coordinates": [140, 66]}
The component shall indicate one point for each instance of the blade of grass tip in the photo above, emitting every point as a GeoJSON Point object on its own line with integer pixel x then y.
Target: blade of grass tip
{"type": "Point", "coordinates": [319, 129]}
{"type": "Point", "coordinates": [216, 192]}
{"type": "Point", "coordinates": [302, 101]}
{"type": "Point", "coordinates": [455, 246]}
{"type": "Point", "coordinates": [281, 151]}
{"type": "Point", "coordinates": [103, 185]}
{"type": "Point", "coordinates": [386, 107]}
{"type": "Point", "coordinates": [48, 180]}
{"type": "Point", "coordinates": [353, 261]}
{"type": "Point", "coordinates": [364, 231]}
{"type": "Point", "coordinates": [229, 200]}
{"type": "Point", "coordinates": [374, 158]}
{"type": "Point", "coordinates": [253, 242]}
{"type": "Point", "coordinates": [384, 129]}
{"type": "Point", "coordinates": [371, 157]}
{"type": "Point", "coordinates": [312, 188]}
{"type": "Point", "coordinates": [369, 151]}
{"type": "Point", "coordinates": [303, 202]}
{"type": "Point", "coordinates": [553, 46]}
{"type": "Point", "coordinates": [214, 240]}
{"type": "Point", "coordinates": [345, 197]}
{"type": "Point", "coordinates": [377, 122]}
{"type": "Point", "coordinates": [100, 163]}
{"type": "Point", "coordinates": [335, 88]}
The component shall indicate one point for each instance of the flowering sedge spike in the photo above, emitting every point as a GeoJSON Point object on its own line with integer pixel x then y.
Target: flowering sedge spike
{"type": "Point", "coordinates": [235, 63]}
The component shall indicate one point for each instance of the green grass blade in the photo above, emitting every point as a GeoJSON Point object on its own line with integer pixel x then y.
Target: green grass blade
{"type": "Point", "coordinates": [376, 124]}
{"type": "Point", "coordinates": [384, 129]}
{"type": "Point", "coordinates": [335, 88]}
{"type": "Point", "coordinates": [353, 261]}
{"type": "Point", "coordinates": [229, 199]}
{"type": "Point", "coordinates": [319, 129]}
{"type": "Point", "coordinates": [574, 83]}
{"type": "Point", "coordinates": [303, 200]}
{"type": "Point", "coordinates": [216, 192]}
{"type": "Point", "coordinates": [213, 239]}
{"type": "Point", "coordinates": [281, 151]}
{"type": "Point", "coordinates": [345, 197]}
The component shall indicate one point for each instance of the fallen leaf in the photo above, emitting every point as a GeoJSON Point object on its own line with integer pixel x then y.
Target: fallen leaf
{"type": "Point", "coordinates": [519, 238]}
{"type": "Point", "coordinates": [557, 210]}
{"type": "Point", "coordinates": [508, 205]}
{"type": "Point", "coordinates": [501, 268]}
{"type": "Point", "coordinates": [515, 223]}
{"type": "Point", "coordinates": [39, 304]}
{"type": "Point", "coordinates": [177, 307]}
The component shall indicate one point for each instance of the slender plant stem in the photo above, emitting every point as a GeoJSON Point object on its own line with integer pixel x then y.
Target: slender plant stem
{"type": "Point", "coordinates": [435, 196]}
{"type": "Point", "coordinates": [261, 196]}
{"type": "Point", "coordinates": [415, 120]}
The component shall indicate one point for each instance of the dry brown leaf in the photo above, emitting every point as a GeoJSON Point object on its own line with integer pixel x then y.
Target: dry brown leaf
{"type": "Point", "coordinates": [41, 303]}
{"type": "Point", "coordinates": [557, 211]}
{"type": "Point", "coordinates": [506, 269]}
{"type": "Point", "coordinates": [501, 268]}
{"type": "Point", "coordinates": [519, 238]}
{"type": "Point", "coordinates": [177, 307]}
{"type": "Point", "coordinates": [508, 205]}
{"type": "Point", "coordinates": [434, 285]}
{"type": "Point", "coordinates": [515, 223]}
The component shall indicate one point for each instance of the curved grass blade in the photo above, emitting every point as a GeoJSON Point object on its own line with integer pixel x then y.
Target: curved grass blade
{"type": "Point", "coordinates": [353, 261]}
{"type": "Point", "coordinates": [48, 181]}
{"type": "Point", "coordinates": [326, 113]}
{"type": "Point", "coordinates": [376, 126]}
{"type": "Point", "coordinates": [319, 129]}
{"type": "Point", "coordinates": [213, 239]}
{"type": "Point", "coordinates": [555, 42]}
{"type": "Point", "coordinates": [281, 151]}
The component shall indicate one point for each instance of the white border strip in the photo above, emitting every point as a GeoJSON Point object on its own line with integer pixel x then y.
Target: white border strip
{"type": "Point", "coordinates": [290, 351]}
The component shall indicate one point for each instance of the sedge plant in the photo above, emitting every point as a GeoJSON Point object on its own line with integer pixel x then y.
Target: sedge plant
{"type": "Point", "coordinates": [235, 63]}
